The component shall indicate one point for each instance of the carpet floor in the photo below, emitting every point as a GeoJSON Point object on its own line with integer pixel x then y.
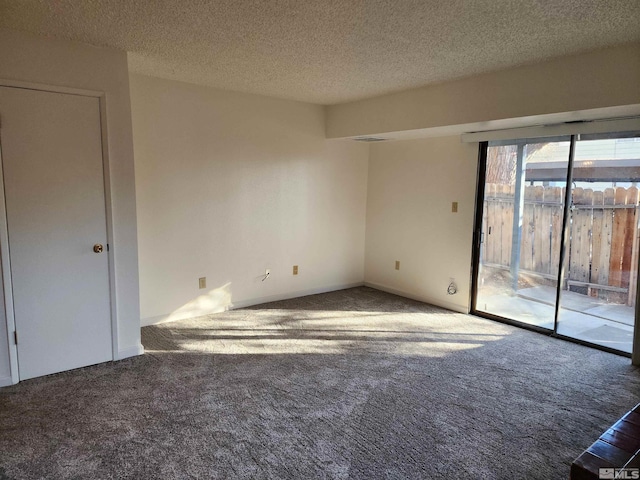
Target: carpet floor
{"type": "Point", "coordinates": [354, 384]}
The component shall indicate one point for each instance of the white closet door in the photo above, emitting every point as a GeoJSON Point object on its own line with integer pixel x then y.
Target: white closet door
{"type": "Point", "coordinates": [54, 187]}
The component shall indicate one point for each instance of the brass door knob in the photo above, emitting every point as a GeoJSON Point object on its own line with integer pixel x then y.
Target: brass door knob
{"type": "Point", "coordinates": [98, 248]}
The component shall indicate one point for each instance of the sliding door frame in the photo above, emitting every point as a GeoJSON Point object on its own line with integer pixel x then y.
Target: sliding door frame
{"type": "Point", "coordinates": [476, 253]}
{"type": "Point", "coordinates": [564, 234]}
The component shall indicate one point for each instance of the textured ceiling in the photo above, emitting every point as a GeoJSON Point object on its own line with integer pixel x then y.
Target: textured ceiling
{"type": "Point", "coordinates": [329, 51]}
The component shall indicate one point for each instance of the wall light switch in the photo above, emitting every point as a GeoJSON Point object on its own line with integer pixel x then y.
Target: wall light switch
{"type": "Point", "coordinates": [202, 282]}
{"type": "Point", "coordinates": [397, 264]}
{"type": "Point", "coordinates": [295, 269]}
{"type": "Point", "coordinates": [454, 207]}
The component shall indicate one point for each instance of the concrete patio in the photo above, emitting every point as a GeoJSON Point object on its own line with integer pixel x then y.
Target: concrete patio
{"type": "Point", "coordinates": [581, 317]}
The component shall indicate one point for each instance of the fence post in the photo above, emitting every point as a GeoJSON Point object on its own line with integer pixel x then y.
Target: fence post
{"type": "Point", "coordinates": [632, 199]}
{"type": "Point", "coordinates": [518, 209]}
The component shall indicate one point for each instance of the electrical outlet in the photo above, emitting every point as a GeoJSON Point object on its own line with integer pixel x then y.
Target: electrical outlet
{"type": "Point", "coordinates": [295, 269]}
{"type": "Point", "coordinates": [397, 264]}
{"type": "Point", "coordinates": [202, 282]}
{"type": "Point", "coordinates": [454, 207]}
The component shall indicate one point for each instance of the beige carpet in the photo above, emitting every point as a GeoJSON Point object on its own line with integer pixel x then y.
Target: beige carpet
{"type": "Point", "coordinates": [351, 384]}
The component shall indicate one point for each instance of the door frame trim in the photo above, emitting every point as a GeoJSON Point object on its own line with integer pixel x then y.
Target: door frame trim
{"type": "Point", "coordinates": [477, 223]}
{"type": "Point", "coordinates": [5, 264]}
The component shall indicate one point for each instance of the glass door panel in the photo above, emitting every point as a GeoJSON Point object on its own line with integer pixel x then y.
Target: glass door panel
{"type": "Point", "coordinates": [521, 230]}
{"type": "Point", "coordinates": [598, 291]}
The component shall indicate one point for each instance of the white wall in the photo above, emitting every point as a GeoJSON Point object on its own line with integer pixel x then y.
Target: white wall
{"type": "Point", "coordinates": [546, 92]}
{"type": "Point", "coordinates": [67, 64]}
{"type": "Point", "coordinates": [231, 184]}
{"type": "Point", "coordinates": [412, 184]}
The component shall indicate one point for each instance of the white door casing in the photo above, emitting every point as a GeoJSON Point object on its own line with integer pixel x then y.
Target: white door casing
{"type": "Point", "coordinates": [55, 204]}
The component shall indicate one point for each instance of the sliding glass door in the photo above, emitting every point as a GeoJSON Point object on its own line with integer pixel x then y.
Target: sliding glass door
{"type": "Point", "coordinates": [597, 302]}
{"type": "Point", "coordinates": [521, 230]}
{"type": "Point", "coordinates": [530, 226]}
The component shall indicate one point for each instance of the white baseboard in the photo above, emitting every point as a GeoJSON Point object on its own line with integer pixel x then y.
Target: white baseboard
{"type": "Point", "coordinates": [287, 296]}
{"type": "Point", "coordinates": [130, 352]}
{"type": "Point", "coordinates": [420, 298]}
{"type": "Point", "coordinates": [259, 300]}
{"type": "Point", "coordinates": [5, 381]}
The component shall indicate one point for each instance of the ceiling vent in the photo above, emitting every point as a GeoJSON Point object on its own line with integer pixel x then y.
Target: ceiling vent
{"type": "Point", "coordinates": [369, 139]}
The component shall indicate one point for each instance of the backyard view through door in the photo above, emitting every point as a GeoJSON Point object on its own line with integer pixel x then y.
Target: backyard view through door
{"type": "Point", "coordinates": [521, 243]}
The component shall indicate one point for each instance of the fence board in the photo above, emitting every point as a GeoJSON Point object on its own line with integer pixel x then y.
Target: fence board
{"type": "Point", "coordinates": [541, 229]}
{"type": "Point", "coordinates": [578, 258]}
{"type": "Point", "coordinates": [604, 242]}
{"type": "Point", "coordinates": [585, 237]}
{"type": "Point", "coordinates": [506, 219]}
{"type": "Point", "coordinates": [556, 225]}
{"type": "Point", "coordinates": [526, 242]}
{"type": "Point", "coordinates": [490, 246]}
{"type": "Point", "coordinates": [617, 238]}
{"type": "Point", "coordinates": [596, 237]}
{"type": "Point", "coordinates": [511, 193]}
{"type": "Point", "coordinates": [633, 281]}
{"type": "Point", "coordinates": [496, 229]}
{"type": "Point", "coordinates": [631, 199]}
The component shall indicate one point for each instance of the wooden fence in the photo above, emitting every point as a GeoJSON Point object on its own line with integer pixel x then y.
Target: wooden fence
{"type": "Point", "coordinates": [603, 249]}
